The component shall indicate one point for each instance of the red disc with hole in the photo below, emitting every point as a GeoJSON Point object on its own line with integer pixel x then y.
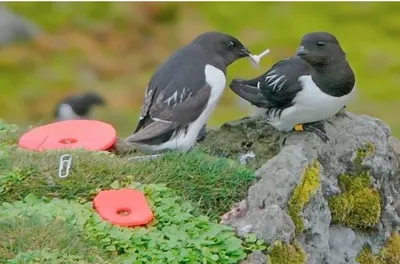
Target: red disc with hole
{"type": "Point", "coordinates": [125, 207]}
{"type": "Point", "coordinates": [70, 134]}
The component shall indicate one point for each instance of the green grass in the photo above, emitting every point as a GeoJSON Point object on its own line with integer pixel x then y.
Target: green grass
{"type": "Point", "coordinates": [65, 231]}
{"type": "Point", "coordinates": [212, 184]}
{"type": "Point", "coordinates": [36, 234]}
{"type": "Point", "coordinates": [46, 219]}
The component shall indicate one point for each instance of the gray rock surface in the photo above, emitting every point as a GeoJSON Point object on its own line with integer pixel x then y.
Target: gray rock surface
{"type": "Point", "coordinates": [265, 210]}
{"type": "Point", "coordinates": [15, 28]}
{"type": "Point", "coordinates": [257, 257]}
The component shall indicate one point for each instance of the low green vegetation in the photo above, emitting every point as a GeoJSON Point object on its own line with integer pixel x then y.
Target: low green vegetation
{"type": "Point", "coordinates": [210, 182]}
{"type": "Point", "coordinates": [175, 236]}
{"type": "Point", "coordinates": [47, 219]}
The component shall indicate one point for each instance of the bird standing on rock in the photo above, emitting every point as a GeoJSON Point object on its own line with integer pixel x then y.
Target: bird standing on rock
{"type": "Point", "coordinates": [77, 106]}
{"type": "Point", "coordinates": [184, 91]}
{"type": "Point", "coordinates": [299, 92]}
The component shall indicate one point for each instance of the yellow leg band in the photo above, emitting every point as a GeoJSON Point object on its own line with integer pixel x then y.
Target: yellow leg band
{"type": "Point", "coordinates": [298, 127]}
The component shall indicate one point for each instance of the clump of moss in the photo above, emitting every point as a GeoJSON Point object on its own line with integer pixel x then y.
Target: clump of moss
{"type": "Point", "coordinates": [281, 253]}
{"type": "Point", "coordinates": [362, 153]}
{"type": "Point", "coordinates": [358, 206]}
{"type": "Point", "coordinates": [366, 256]}
{"type": "Point", "coordinates": [390, 254]}
{"type": "Point", "coordinates": [302, 193]}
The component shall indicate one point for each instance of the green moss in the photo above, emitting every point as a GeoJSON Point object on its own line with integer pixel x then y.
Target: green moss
{"type": "Point", "coordinates": [390, 254]}
{"type": "Point", "coordinates": [281, 253]}
{"type": "Point", "coordinates": [358, 206]}
{"type": "Point", "coordinates": [366, 256]}
{"type": "Point", "coordinates": [362, 153]}
{"type": "Point", "coordinates": [309, 183]}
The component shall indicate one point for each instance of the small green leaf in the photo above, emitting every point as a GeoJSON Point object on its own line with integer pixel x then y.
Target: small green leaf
{"type": "Point", "coordinates": [251, 238]}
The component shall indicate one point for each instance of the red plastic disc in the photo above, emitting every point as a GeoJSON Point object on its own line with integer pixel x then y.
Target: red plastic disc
{"type": "Point", "coordinates": [126, 207]}
{"type": "Point", "coordinates": [70, 134]}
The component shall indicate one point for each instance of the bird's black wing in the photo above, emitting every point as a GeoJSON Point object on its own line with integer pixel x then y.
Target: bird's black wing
{"type": "Point", "coordinates": [275, 88]}
{"type": "Point", "coordinates": [176, 96]}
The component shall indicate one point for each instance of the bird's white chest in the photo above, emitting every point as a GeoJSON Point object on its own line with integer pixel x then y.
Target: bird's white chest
{"type": "Point", "coordinates": [65, 112]}
{"type": "Point", "coordinates": [217, 80]}
{"type": "Point", "coordinates": [312, 105]}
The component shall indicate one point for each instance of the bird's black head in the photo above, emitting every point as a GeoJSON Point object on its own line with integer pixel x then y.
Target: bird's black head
{"type": "Point", "coordinates": [320, 48]}
{"type": "Point", "coordinates": [91, 98]}
{"type": "Point", "coordinates": [227, 46]}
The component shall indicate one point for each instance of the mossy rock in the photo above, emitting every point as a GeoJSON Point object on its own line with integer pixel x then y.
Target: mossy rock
{"type": "Point", "coordinates": [250, 134]}
{"type": "Point", "coordinates": [359, 205]}
{"type": "Point", "coordinates": [282, 253]}
{"type": "Point", "coordinates": [310, 182]}
{"type": "Point", "coordinates": [390, 254]}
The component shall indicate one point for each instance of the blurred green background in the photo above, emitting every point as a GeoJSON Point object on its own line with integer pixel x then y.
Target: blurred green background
{"type": "Point", "coordinates": [113, 48]}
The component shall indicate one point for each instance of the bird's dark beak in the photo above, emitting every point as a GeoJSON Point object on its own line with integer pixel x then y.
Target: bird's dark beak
{"type": "Point", "coordinates": [301, 51]}
{"type": "Point", "coordinates": [244, 52]}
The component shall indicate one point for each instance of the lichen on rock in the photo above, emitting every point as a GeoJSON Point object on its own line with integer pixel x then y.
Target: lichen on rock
{"type": "Point", "coordinates": [390, 254]}
{"type": "Point", "coordinates": [302, 193]}
{"type": "Point", "coordinates": [282, 253]}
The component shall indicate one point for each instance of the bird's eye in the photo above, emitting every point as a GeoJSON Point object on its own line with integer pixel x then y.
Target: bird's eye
{"type": "Point", "coordinates": [320, 43]}
{"type": "Point", "coordinates": [231, 44]}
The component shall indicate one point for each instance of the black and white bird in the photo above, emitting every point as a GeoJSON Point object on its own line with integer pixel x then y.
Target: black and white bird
{"type": "Point", "coordinates": [300, 92]}
{"type": "Point", "coordinates": [77, 106]}
{"type": "Point", "coordinates": [184, 91]}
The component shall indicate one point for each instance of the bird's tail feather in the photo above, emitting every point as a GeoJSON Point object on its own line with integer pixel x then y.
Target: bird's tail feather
{"type": "Point", "coordinates": [249, 90]}
{"type": "Point", "coordinates": [153, 130]}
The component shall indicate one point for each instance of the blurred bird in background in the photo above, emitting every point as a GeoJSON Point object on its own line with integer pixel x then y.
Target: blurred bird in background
{"type": "Point", "coordinates": [78, 106]}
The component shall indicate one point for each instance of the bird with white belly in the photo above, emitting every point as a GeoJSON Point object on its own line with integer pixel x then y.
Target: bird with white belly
{"type": "Point", "coordinates": [300, 92]}
{"type": "Point", "coordinates": [184, 91]}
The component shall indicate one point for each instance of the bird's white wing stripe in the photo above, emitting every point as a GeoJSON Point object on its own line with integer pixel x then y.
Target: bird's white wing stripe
{"type": "Point", "coordinates": [173, 97]}
{"type": "Point", "coordinates": [275, 80]}
{"type": "Point", "coordinates": [274, 83]}
{"type": "Point", "coordinates": [178, 97]}
{"type": "Point", "coordinates": [160, 120]}
{"type": "Point", "coordinates": [269, 78]}
{"type": "Point", "coordinates": [149, 92]}
{"type": "Point", "coordinates": [183, 93]}
{"type": "Point", "coordinates": [281, 85]}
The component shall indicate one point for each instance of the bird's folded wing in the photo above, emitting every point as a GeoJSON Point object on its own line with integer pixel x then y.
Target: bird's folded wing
{"type": "Point", "coordinates": [183, 107]}
{"type": "Point", "coordinates": [249, 93]}
{"type": "Point", "coordinates": [155, 129]}
{"type": "Point", "coordinates": [275, 88]}
{"type": "Point", "coordinates": [169, 112]}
